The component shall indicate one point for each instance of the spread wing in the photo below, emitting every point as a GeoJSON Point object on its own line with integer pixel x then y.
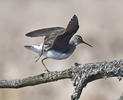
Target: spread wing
{"type": "Point", "coordinates": [49, 33]}
{"type": "Point", "coordinates": [62, 41]}
{"type": "Point", "coordinates": [57, 37]}
{"type": "Point", "coordinates": [45, 32]}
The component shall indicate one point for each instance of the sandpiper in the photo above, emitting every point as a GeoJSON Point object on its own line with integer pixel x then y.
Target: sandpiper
{"type": "Point", "coordinates": [57, 42]}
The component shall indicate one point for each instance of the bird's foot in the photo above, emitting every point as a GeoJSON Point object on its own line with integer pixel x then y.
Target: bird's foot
{"type": "Point", "coordinates": [77, 64]}
{"type": "Point", "coordinates": [38, 57]}
{"type": "Point", "coordinates": [47, 70]}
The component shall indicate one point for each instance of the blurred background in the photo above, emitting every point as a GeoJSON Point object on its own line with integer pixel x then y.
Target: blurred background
{"type": "Point", "coordinates": [101, 23]}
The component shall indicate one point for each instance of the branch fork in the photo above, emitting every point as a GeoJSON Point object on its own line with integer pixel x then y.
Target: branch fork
{"type": "Point", "coordinates": [81, 75]}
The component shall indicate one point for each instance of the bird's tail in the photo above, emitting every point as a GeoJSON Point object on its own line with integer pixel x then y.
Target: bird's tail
{"type": "Point", "coordinates": [34, 48]}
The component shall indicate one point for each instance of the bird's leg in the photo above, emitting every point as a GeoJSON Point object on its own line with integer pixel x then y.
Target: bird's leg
{"type": "Point", "coordinates": [38, 57]}
{"type": "Point", "coordinates": [40, 54]}
{"type": "Point", "coordinates": [44, 64]}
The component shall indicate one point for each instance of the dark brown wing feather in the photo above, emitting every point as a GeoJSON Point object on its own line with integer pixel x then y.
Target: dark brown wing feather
{"type": "Point", "coordinates": [49, 33]}
{"type": "Point", "coordinates": [46, 32]}
{"type": "Point", "coordinates": [57, 37]}
{"type": "Point", "coordinates": [62, 41]}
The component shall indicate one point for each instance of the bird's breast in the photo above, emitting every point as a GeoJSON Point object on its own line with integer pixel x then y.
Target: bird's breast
{"type": "Point", "coordinates": [57, 54]}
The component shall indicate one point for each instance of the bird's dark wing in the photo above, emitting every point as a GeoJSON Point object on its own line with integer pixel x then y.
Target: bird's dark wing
{"type": "Point", "coordinates": [49, 33]}
{"type": "Point", "coordinates": [46, 32]}
{"type": "Point", "coordinates": [62, 41]}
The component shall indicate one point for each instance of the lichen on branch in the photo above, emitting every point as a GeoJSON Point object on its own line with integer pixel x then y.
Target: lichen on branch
{"type": "Point", "coordinates": [81, 75]}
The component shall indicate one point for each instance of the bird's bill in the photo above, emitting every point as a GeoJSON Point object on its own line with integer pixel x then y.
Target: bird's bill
{"type": "Point", "coordinates": [87, 44]}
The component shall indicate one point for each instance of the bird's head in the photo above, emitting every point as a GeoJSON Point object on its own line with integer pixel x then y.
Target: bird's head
{"type": "Point", "coordinates": [78, 40]}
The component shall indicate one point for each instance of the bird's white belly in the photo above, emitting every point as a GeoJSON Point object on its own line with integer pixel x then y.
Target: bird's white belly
{"type": "Point", "coordinates": [56, 54]}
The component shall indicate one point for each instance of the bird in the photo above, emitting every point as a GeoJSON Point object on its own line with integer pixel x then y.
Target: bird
{"type": "Point", "coordinates": [59, 42]}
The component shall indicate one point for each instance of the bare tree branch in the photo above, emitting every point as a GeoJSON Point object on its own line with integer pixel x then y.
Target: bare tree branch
{"type": "Point", "coordinates": [35, 80]}
{"type": "Point", "coordinates": [80, 74]}
{"type": "Point", "coordinates": [93, 71]}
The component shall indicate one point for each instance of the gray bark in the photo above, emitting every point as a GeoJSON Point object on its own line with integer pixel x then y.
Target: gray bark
{"type": "Point", "coordinates": [81, 75]}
